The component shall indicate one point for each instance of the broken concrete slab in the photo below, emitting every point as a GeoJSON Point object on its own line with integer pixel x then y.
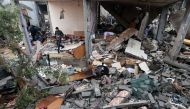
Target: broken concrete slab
{"type": "Point", "coordinates": [108, 99]}
{"type": "Point", "coordinates": [86, 94]}
{"type": "Point", "coordinates": [96, 88]}
{"type": "Point", "coordinates": [64, 107]}
{"type": "Point", "coordinates": [143, 66]}
{"type": "Point", "coordinates": [97, 63]}
{"type": "Point", "coordinates": [185, 83]}
{"type": "Point", "coordinates": [134, 48]}
{"type": "Point", "coordinates": [161, 103]}
{"type": "Point", "coordinates": [59, 89]}
{"type": "Point", "coordinates": [79, 103]}
{"type": "Point", "coordinates": [96, 55]}
{"type": "Point", "coordinates": [72, 46]}
{"type": "Point", "coordinates": [121, 97]}
{"type": "Point", "coordinates": [167, 75]}
{"type": "Point", "coordinates": [108, 61]}
{"type": "Point", "coordinates": [151, 98]}
{"type": "Point", "coordinates": [125, 87]}
{"type": "Point", "coordinates": [130, 104]}
{"type": "Point", "coordinates": [163, 98]}
{"type": "Point", "coordinates": [117, 65]}
{"type": "Point", "coordinates": [4, 80]}
{"type": "Point", "coordinates": [83, 90]}
{"type": "Point", "coordinates": [112, 70]}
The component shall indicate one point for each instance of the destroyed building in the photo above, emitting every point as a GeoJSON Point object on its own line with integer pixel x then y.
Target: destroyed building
{"type": "Point", "coordinates": [95, 54]}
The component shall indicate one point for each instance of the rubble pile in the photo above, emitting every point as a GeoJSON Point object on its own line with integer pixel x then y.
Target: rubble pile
{"type": "Point", "coordinates": [126, 73]}
{"type": "Point", "coordinates": [132, 76]}
{"type": "Point", "coordinates": [131, 71]}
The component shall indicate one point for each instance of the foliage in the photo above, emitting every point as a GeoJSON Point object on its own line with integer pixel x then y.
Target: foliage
{"type": "Point", "coordinates": [59, 74]}
{"type": "Point", "coordinates": [22, 65]}
{"type": "Point", "coordinates": [10, 31]}
{"type": "Point", "coordinates": [25, 68]}
{"type": "Point", "coordinates": [28, 95]}
{"type": "Point", "coordinates": [9, 21]}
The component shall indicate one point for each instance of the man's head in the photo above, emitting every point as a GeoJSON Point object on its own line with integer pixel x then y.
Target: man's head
{"type": "Point", "coordinates": [56, 28]}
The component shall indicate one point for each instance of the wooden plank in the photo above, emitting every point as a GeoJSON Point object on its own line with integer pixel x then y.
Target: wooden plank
{"type": "Point", "coordinates": [50, 102]}
{"type": "Point", "coordinates": [80, 76]}
{"type": "Point", "coordinates": [79, 52]}
{"type": "Point", "coordinates": [122, 37]}
{"type": "Point", "coordinates": [61, 56]}
{"type": "Point", "coordinates": [181, 34]}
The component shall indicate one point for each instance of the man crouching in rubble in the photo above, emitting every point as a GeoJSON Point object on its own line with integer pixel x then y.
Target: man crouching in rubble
{"type": "Point", "coordinates": [59, 34]}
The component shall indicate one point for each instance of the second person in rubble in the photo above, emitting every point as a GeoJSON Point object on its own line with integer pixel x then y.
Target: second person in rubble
{"type": "Point", "coordinates": [59, 34]}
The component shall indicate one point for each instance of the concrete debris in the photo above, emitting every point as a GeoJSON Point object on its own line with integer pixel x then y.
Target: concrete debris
{"type": "Point", "coordinates": [80, 103]}
{"type": "Point", "coordinates": [125, 87]}
{"type": "Point", "coordinates": [96, 55]}
{"type": "Point", "coordinates": [112, 70]}
{"type": "Point", "coordinates": [86, 94]}
{"type": "Point", "coordinates": [4, 81]}
{"type": "Point", "coordinates": [152, 100]}
{"type": "Point", "coordinates": [121, 97]}
{"type": "Point", "coordinates": [116, 65]}
{"type": "Point", "coordinates": [143, 66]}
{"type": "Point", "coordinates": [134, 48]}
{"type": "Point", "coordinates": [124, 105]}
{"type": "Point", "coordinates": [58, 90]}
{"type": "Point", "coordinates": [130, 70]}
{"type": "Point", "coordinates": [96, 88]}
{"type": "Point", "coordinates": [97, 63]}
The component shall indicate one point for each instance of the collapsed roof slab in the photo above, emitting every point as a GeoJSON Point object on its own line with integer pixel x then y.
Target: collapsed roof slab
{"type": "Point", "coordinates": [156, 3]}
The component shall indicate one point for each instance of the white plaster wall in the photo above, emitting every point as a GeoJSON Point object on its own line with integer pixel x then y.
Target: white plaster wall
{"type": "Point", "coordinates": [73, 15]}
{"type": "Point", "coordinates": [33, 14]}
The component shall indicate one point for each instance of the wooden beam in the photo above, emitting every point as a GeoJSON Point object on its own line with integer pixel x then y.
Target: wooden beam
{"type": "Point", "coordinates": [122, 37]}
{"type": "Point", "coordinates": [176, 64]}
{"type": "Point", "coordinates": [161, 26]}
{"type": "Point", "coordinates": [173, 53]}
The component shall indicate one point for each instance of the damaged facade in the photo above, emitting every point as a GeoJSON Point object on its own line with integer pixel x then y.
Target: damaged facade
{"type": "Point", "coordinates": [105, 54]}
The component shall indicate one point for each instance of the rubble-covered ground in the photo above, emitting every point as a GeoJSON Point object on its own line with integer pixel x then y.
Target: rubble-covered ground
{"type": "Point", "coordinates": [124, 72]}
{"type": "Point", "coordinates": [132, 76]}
